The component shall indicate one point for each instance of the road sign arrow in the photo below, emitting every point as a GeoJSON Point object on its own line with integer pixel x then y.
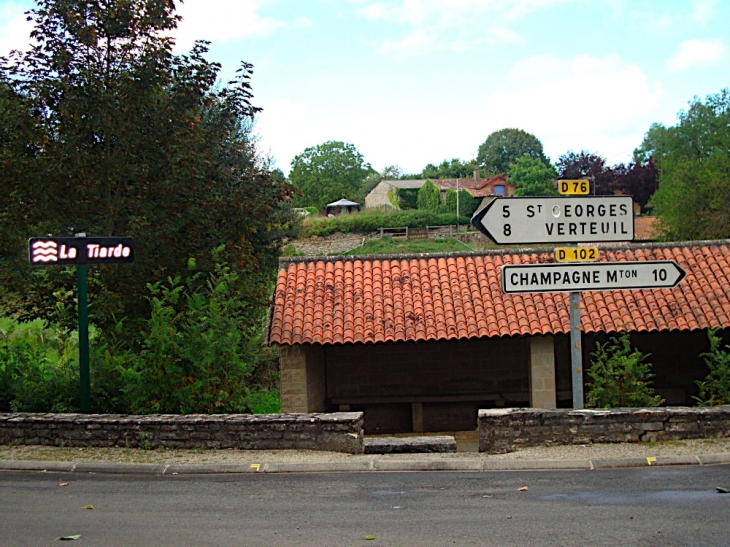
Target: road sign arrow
{"type": "Point", "coordinates": [557, 219]}
{"type": "Point", "coordinates": [596, 276]}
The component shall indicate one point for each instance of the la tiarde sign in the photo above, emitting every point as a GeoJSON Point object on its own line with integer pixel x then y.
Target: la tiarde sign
{"type": "Point", "coordinates": [81, 251]}
{"type": "Point", "coordinates": [74, 251]}
{"type": "Point", "coordinates": [557, 219]}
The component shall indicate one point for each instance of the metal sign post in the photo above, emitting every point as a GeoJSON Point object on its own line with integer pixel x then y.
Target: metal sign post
{"type": "Point", "coordinates": [80, 251]}
{"type": "Point", "coordinates": [576, 351]}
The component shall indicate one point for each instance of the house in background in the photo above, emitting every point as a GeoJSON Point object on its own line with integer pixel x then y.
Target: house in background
{"type": "Point", "coordinates": [385, 194]}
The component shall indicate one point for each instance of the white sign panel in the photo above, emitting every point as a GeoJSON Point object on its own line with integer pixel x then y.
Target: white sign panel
{"type": "Point", "coordinates": [596, 276]}
{"type": "Point", "coordinates": [557, 219]}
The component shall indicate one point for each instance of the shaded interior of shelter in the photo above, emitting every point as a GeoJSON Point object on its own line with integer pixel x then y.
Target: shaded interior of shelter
{"type": "Point", "coordinates": [439, 386]}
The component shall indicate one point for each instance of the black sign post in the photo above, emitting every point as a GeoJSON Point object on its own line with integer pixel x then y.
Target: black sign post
{"type": "Point", "coordinates": [81, 251]}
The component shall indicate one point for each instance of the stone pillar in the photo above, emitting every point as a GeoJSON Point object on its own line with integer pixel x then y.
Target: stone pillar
{"type": "Point", "coordinates": [542, 372]}
{"type": "Point", "coordinates": [302, 378]}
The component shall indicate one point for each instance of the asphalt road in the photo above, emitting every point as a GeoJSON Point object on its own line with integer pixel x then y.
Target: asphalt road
{"type": "Point", "coordinates": [648, 506]}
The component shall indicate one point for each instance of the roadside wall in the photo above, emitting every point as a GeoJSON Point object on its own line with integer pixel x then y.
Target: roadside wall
{"type": "Point", "coordinates": [338, 432]}
{"type": "Point", "coordinates": [508, 429]}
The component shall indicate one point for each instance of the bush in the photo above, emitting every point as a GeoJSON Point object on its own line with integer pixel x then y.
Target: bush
{"type": "Point", "coordinates": [715, 388]}
{"type": "Point", "coordinates": [429, 197]}
{"type": "Point", "coordinates": [195, 356]}
{"type": "Point", "coordinates": [371, 220]}
{"type": "Point", "coordinates": [619, 376]}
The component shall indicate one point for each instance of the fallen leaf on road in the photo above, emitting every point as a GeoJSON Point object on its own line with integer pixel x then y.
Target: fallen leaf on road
{"type": "Point", "coordinates": [523, 489]}
{"type": "Point", "coordinates": [369, 538]}
{"type": "Point", "coordinates": [69, 538]}
{"type": "Point", "coordinates": [722, 490]}
{"type": "Point", "coordinates": [89, 507]}
{"type": "Point", "coordinates": [62, 484]}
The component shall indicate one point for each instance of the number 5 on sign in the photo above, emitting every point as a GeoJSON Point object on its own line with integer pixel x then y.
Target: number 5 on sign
{"type": "Point", "coordinates": [574, 187]}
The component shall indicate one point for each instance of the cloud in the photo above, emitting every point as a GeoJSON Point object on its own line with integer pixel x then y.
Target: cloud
{"type": "Point", "coordinates": [455, 25]}
{"type": "Point", "coordinates": [694, 53]}
{"type": "Point", "coordinates": [702, 10]}
{"type": "Point", "coordinates": [225, 20]}
{"type": "Point", "coordinates": [14, 29]}
{"type": "Point", "coordinates": [599, 104]}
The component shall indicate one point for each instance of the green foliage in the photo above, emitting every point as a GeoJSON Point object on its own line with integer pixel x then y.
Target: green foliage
{"type": "Point", "coordinates": [467, 203]}
{"type": "Point", "coordinates": [715, 388]}
{"type": "Point", "coordinates": [503, 147]}
{"type": "Point", "coordinates": [429, 198]}
{"type": "Point", "coordinates": [39, 370]}
{"type": "Point", "coordinates": [449, 204]}
{"type": "Point", "coordinates": [266, 401]}
{"type": "Point", "coordinates": [453, 169]}
{"type": "Point", "coordinates": [194, 356]}
{"type": "Point", "coordinates": [693, 160]}
{"type": "Point", "coordinates": [619, 376]}
{"type": "Point", "coordinates": [532, 177]}
{"type": "Point", "coordinates": [330, 171]}
{"type": "Point", "coordinates": [372, 220]}
{"type": "Point", "coordinates": [393, 197]}
{"type": "Point", "coordinates": [103, 130]}
{"type": "Point", "coordinates": [408, 198]}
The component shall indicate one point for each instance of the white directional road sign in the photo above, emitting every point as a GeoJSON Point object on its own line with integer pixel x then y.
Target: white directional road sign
{"type": "Point", "coordinates": [596, 276]}
{"type": "Point", "coordinates": [575, 219]}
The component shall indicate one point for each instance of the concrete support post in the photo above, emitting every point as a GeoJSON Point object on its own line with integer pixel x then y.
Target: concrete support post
{"type": "Point", "coordinates": [417, 417]}
{"type": "Point", "coordinates": [302, 378]}
{"type": "Point", "coordinates": [542, 372]}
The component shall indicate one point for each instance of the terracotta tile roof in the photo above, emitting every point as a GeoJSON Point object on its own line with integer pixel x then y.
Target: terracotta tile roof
{"type": "Point", "coordinates": [336, 300]}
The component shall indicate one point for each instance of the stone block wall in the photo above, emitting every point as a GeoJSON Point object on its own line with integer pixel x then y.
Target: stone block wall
{"type": "Point", "coordinates": [509, 429]}
{"type": "Point", "coordinates": [338, 432]}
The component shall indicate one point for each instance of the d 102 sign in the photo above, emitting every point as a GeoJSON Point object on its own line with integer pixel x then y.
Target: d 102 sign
{"type": "Point", "coordinates": [70, 251]}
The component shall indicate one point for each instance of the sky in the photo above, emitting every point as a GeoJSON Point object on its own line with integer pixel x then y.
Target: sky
{"type": "Point", "coordinates": [412, 82]}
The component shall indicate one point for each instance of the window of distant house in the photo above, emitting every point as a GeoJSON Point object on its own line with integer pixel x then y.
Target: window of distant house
{"type": "Point", "coordinates": [499, 189]}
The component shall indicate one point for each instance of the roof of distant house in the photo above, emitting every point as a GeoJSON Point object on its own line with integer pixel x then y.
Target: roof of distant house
{"type": "Point", "coordinates": [342, 203]}
{"type": "Point", "coordinates": [477, 187]}
{"type": "Point", "coordinates": [336, 300]}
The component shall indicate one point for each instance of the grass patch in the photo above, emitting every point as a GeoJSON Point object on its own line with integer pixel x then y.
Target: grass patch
{"type": "Point", "coordinates": [265, 402]}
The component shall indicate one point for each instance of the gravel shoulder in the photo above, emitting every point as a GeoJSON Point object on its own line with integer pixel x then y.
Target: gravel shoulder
{"type": "Point", "coordinates": [232, 456]}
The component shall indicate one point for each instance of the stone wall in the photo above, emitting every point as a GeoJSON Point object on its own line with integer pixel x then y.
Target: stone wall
{"type": "Point", "coordinates": [508, 429]}
{"type": "Point", "coordinates": [338, 432]}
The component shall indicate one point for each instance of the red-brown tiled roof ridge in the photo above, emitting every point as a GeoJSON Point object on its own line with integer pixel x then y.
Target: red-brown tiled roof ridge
{"type": "Point", "coordinates": [393, 298]}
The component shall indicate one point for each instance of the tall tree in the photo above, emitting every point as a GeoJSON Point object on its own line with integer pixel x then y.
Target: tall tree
{"type": "Point", "coordinates": [586, 164]}
{"type": "Point", "coordinates": [532, 177]}
{"type": "Point", "coordinates": [503, 147]}
{"type": "Point", "coordinates": [693, 160]}
{"type": "Point", "coordinates": [114, 135]}
{"type": "Point", "coordinates": [328, 172]}
{"type": "Point", "coordinates": [637, 180]}
{"type": "Point", "coordinates": [449, 169]}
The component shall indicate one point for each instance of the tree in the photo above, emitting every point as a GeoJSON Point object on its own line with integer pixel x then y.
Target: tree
{"type": "Point", "coordinates": [532, 177]}
{"type": "Point", "coordinates": [693, 160]}
{"type": "Point", "coordinates": [637, 180]}
{"type": "Point", "coordinates": [449, 169]}
{"type": "Point", "coordinates": [112, 134]}
{"type": "Point", "coordinates": [328, 172]}
{"type": "Point", "coordinates": [429, 197]}
{"type": "Point", "coordinates": [586, 165]}
{"type": "Point", "coordinates": [620, 377]}
{"type": "Point", "coordinates": [503, 147]}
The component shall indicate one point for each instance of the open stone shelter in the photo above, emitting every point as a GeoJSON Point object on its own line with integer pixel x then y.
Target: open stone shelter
{"type": "Point", "coordinates": [421, 342]}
